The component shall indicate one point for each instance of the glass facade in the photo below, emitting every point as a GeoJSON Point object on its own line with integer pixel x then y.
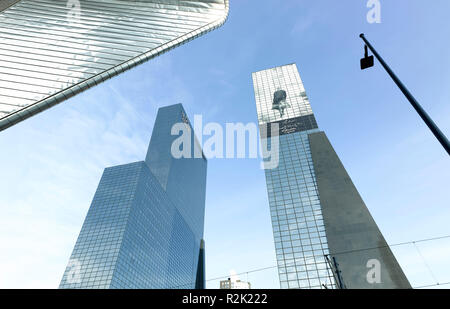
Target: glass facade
{"type": "Point", "coordinates": [298, 227]}
{"type": "Point", "coordinates": [144, 228]}
{"type": "Point", "coordinates": [51, 50]}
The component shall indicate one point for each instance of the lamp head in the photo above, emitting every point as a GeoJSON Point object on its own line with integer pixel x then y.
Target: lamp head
{"type": "Point", "coordinates": [367, 62]}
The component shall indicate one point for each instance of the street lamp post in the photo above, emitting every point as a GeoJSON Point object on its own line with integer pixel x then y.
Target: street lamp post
{"type": "Point", "coordinates": [422, 113]}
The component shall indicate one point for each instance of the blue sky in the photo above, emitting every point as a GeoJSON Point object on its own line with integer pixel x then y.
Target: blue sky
{"type": "Point", "coordinates": [51, 163]}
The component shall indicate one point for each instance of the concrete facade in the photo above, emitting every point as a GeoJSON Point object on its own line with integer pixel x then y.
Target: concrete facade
{"type": "Point", "coordinates": [354, 238]}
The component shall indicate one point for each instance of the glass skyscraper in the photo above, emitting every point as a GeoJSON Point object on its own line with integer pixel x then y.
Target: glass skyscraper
{"type": "Point", "coordinates": [298, 228]}
{"type": "Point", "coordinates": [144, 228]}
{"type": "Point", "coordinates": [51, 50]}
{"type": "Point", "coordinates": [316, 212]}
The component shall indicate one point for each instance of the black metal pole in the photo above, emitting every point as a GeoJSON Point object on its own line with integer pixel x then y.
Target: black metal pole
{"type": "Point", "coordinates": [422, 113]}
{"type": "Point", "coordinates": [338, 274]}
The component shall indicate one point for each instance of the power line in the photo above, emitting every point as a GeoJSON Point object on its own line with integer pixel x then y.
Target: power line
{"type": "Point", "coordinates": [426, 264]}
{"type": "Point", "coordinates": [243, 273]}
{"type": "Point", "coordinates": [431, 285]}
{"type": "Point", "coordinates": [344, 252]}
{"type": "Point", "coordinates": [358, 250]}
{"type": "Point", "coordinates": [393, 245]}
